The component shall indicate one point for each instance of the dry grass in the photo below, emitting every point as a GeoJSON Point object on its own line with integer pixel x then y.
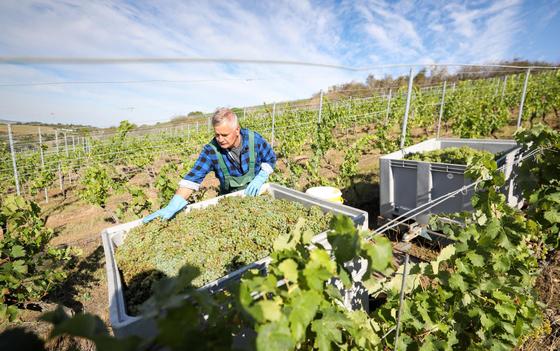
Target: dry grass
{"type": "Point", "coordinates": [548, 288]}
{"type": "Point", "coordinates": [24, 129]}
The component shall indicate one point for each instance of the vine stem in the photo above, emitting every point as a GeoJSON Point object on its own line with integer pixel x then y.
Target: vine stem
{"type": "Point", "coordinates": [401, 299]}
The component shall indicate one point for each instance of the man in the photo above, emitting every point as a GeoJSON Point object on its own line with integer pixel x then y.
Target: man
{"type": "Point", "coordinates": [240, 158]}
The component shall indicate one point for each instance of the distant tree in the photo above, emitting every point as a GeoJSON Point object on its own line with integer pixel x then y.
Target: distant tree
{"type": "Point", "coordinates": [420, 77]}
{"type": "Point", "coordinates": [179, 118]}
{"type": "Point", "coordinates": [401, 81]}
{"type": "Point", "coordinates": [387, 81]}
{"type": "Point", "coordinates": [195, 114]}
{"type": "Point", "coordinates": [438, 74]}
{"type": "Point", "coordinates": [371, 82]}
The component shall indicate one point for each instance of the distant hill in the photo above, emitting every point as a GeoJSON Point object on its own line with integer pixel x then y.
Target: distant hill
{"type": "Point", "coordinates": [430, 76]}
{"type": "Point", "coordinates": [26, 135]}
{"type": "Point", "coordinates": [52, 125]}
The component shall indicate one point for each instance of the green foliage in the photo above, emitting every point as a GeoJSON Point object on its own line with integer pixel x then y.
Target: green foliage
{"type": "Point", "coordinates": [43, 180]}
{"type": "Point", "coordinates": [475, 109]}
{"type": "Point", "coordinates": [29, 269]}
{"type": "Point", "coordinates": [383, 140]}
{"type": "Point", "coordinates": [217, 240]}
{"type": "Point", "coordinates": [324, 139]}
{"type": "Point", "coordinates": [458, 308]}
{"type": "Point", "coordinates": [116, 147]}
{"type": "Point", "coordinates": [166, 183]}
{"type": "Point", "coordinates": [543, 96]}
{"type": "Point", "coordinates": [96, 185]}
{"type": "Point", "coordinates": [291, 177]}
{"type": "Point", "coordinates": [138, 205]}
{"type": "Point", "coordinates": [349, 167]}
{"type": "Point", "coordinates": [296, 308]}
{"type": "Point", "coordinates": [543, 168]}
{"type": "Point", "coordinates": [539, 180]}
{"type": "Point", "coordinates": [143, 158]}
{"type": "Point", "coordinates": [291, 140]}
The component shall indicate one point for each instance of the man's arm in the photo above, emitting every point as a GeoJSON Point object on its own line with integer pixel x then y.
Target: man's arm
{"type": "Point", "coordinates": [265, 155]}
{"type": "Point", "coordinates": [266, 158]}
{"type": "Point", "coordinates": [184, 192]}
{"type": "Point", "coordinates": [191, 182]}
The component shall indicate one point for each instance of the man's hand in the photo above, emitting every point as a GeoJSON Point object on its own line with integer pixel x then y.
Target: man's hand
{"type": "Point", "coordinates": [176, 204]}
{"type": "Point", "coordinates": [255, 186]}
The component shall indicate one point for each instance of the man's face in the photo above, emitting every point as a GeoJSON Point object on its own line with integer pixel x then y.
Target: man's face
{"type": "Point", "coordinates": [226, 135]}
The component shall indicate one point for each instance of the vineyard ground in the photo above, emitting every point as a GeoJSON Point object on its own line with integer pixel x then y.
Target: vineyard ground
{"type": "Point", "coordinates": [548, 288]}
{"type": "Point", "coordinates": [78, 225]}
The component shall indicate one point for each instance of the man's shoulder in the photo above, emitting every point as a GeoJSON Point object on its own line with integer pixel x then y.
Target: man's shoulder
{"type": "Point", "coordinates": [246, 132]}
{"type": "Point", "coordinates": [209, 149]}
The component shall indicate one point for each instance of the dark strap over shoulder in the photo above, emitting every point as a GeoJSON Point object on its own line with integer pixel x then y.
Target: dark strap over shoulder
{"type": "Point", "coordinates": [232, 183]}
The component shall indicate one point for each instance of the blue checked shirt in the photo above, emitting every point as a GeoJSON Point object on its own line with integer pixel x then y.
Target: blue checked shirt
{"type": "Point", "coordinates": [207, 161]}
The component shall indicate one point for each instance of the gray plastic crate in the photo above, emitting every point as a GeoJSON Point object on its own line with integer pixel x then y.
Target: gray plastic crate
{"type": "Point", "coordinates": [124, 324]}
{"type": "Point", "coordinates": [407, 184]}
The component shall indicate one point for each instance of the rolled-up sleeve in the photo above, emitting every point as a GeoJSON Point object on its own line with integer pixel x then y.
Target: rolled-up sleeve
{"type": "Point", "coordinates": [201, 168]}
{"type": "Point", "coordinates": [265, 155]}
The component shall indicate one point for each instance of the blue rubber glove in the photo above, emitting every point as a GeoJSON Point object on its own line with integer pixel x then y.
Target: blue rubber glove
{"type": "Point", "coordinates": [255, 186]}
{"type": "Point", "coordinates": [176, 204]}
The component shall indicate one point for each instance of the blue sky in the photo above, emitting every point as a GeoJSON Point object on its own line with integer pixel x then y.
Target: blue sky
{"type": "Point", "coordinates": [359, 33]}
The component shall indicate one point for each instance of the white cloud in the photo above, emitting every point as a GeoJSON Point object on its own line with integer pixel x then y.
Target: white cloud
{"type": "Point", "coordinates": [486, 33]}
{"type": "Point", "coordinates": [294, 31]}
{"type": "Point", "coordinates": [436, 27]}
{"type": "Point", "coordinates": [470, 22]}
{"type": "Point", "coordinates": [361, 33]}
{"type": "Point", "coordinates": [390, 28]}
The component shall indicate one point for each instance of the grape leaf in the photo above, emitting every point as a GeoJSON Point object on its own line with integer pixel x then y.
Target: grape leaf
{"type": "Point", "coordinates": [304, 309]}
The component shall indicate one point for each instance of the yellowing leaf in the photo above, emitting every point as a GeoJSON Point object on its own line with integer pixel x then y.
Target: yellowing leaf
{"type": "Point", "coordinates": [271, 310]}
{"type": "Point", "coordinates": [290, 269]}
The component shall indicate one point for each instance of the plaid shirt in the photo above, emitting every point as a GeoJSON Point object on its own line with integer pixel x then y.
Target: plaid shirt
{"type": "Point", "coordinates": [207, 161]}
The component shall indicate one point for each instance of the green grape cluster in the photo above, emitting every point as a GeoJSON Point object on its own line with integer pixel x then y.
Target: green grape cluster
{"type": "Point", "coordinates": [216, 240]}
{"type": "Point", "coordinates": [454, 155]}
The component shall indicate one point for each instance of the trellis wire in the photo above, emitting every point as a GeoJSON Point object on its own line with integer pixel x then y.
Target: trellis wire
{"type": "Point", "coordinates": [312, 107]}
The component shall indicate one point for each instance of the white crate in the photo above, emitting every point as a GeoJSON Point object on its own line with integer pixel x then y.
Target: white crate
{"type": "Point", "coordinates": [407, 184]}
{"type": "Point", "coordinates": [124, 324]}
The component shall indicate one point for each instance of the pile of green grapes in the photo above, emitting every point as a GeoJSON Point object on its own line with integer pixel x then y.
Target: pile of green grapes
{"type": "Point", "coordinates": [216, 240]}
{"type": "Point", "coordinates": [455, 155]}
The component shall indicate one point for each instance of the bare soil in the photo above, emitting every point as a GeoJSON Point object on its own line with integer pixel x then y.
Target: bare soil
{"type": "Point", "coordinates": [548, 289]}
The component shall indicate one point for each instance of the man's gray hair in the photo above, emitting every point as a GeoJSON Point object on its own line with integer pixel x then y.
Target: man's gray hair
{"type": "Point", "coordinates": [225, 115]}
